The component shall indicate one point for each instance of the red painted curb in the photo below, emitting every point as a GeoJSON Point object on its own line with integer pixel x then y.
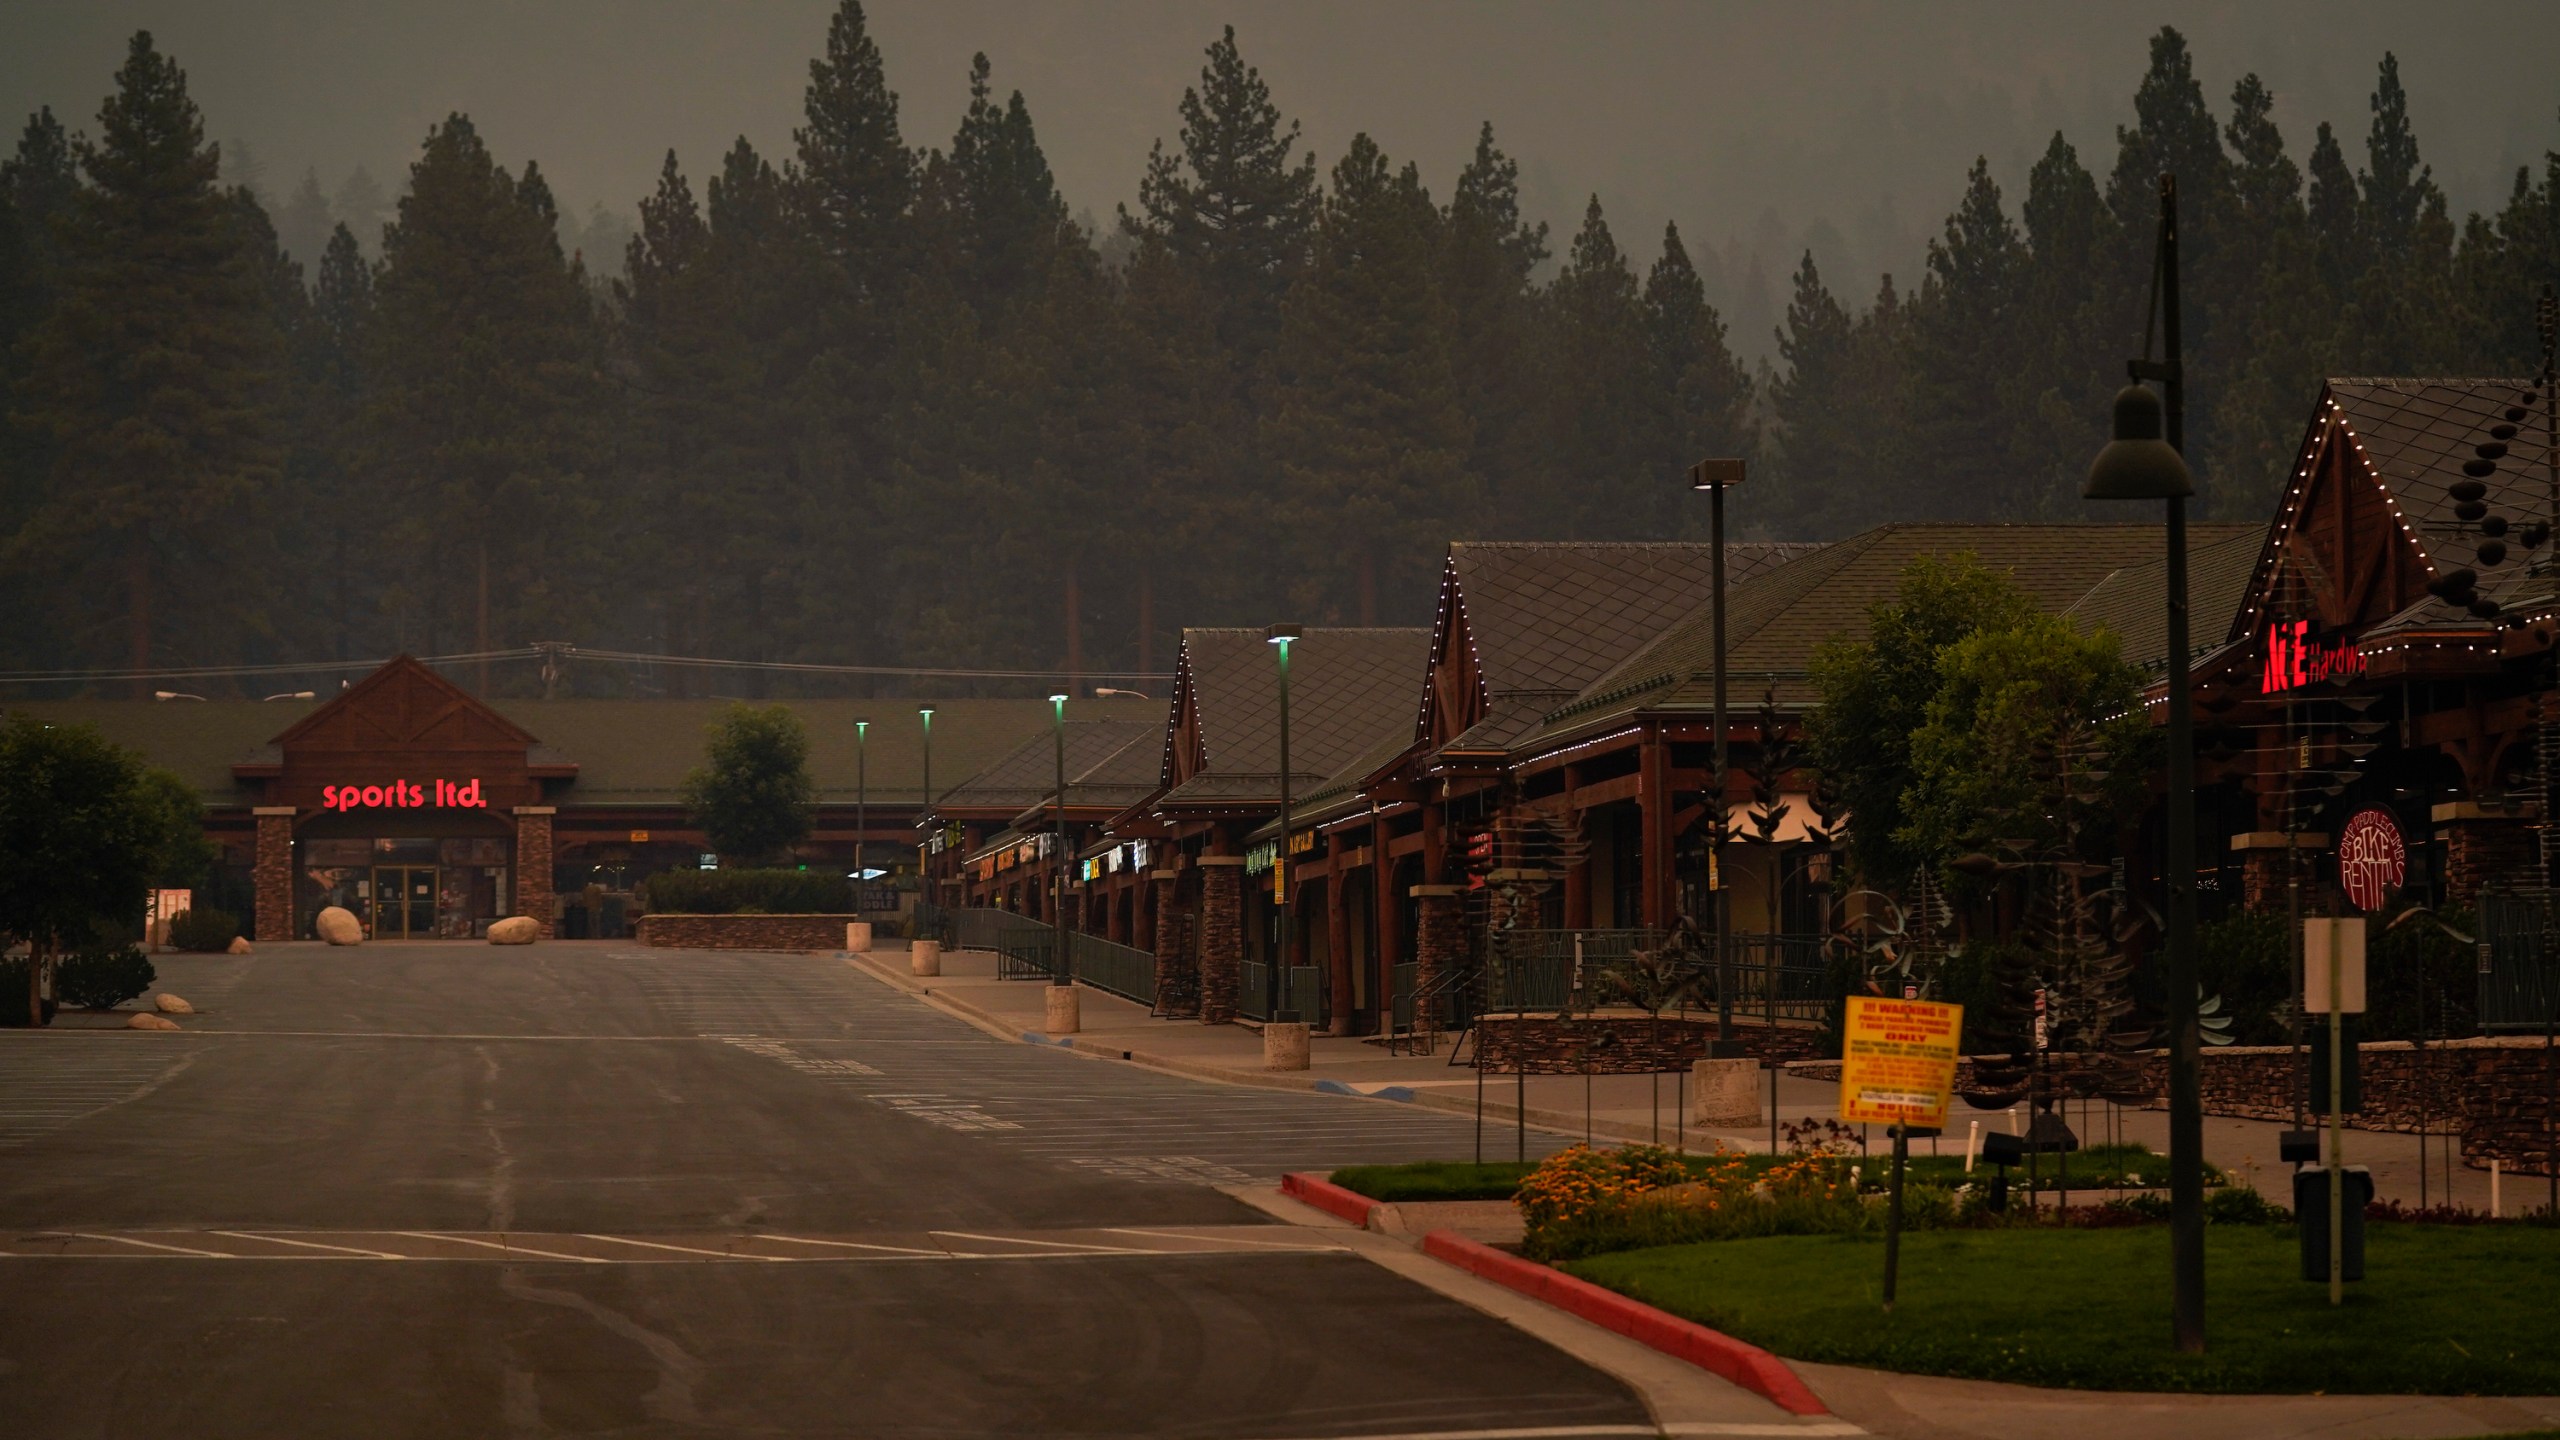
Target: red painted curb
{"type": "Point", "coordinates": [1326, 1196]}
{"type": "Point", "coordinates": [1748, 1366]}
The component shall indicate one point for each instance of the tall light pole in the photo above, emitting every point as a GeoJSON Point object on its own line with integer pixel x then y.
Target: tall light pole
{"type": "Point", "coordinates": [2139, 464]}
{"type": "Point", "coordinates": [1715, 477]}
{"type": "Point", "coordinates": [924, 811]}
{"type": "Point", "coordinates": [861, 805]}
{"type": "Point", "coordinates": [1060, 972]}
{"type": "Point", "coordinates": [1280, 636]}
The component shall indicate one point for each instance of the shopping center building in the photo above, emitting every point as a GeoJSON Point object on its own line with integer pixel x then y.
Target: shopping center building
{"type": "Point", "coordinates": [430, 812]}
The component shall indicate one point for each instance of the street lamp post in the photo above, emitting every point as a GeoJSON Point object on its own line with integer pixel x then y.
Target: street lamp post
{"type": "Point", "coordinates": [1715, 477]}
{"type": "Point", "coordinates": [2140, 464]}
{"type": "Point", "coordinates": [1280, 636]}
{"type": "Point", "coordinates": [924, 855]}
{"type": "Point", "coordinates": [1061, 972]}
{"type": "Point", "coordinates": [861, 806]}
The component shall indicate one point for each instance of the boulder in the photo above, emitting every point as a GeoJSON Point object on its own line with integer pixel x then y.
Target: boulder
{"type": "Point", "coordinates": [168, 1004]}
{"type": "Point", "coordinates": [339, 926]}
{"type": "Point", "coordinates": [239, 945]}
{"type": "Point", "coordinates": [515, 930]}
{"type": "Point", "coordinates": [148, 1021]}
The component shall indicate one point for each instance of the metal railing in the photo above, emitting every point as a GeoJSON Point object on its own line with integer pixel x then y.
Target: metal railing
{"type": "Point", "coordinates": [1530, 970]}
{"type": "Point", "coordinates": [1301, 990]}
{"type": "Point", "coordinates": [1108, 965]}
{"type": "Point", "coordinates": [2519, 983]}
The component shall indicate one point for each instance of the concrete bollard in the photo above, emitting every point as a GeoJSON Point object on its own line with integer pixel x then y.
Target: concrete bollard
{"type": "Point", "coordinates": [1286, 1045]}
{"type": "Point", "coordinates": [1724, 1093]}
{"type": "Point", "coordinates": [857, 937]}
{"type": "Point", "coordinates": [924, 957]}
{"type": "Point", "coordinates": [1065, 1012]}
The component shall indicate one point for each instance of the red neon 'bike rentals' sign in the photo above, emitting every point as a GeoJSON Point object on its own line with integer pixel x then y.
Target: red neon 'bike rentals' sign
{"type": "Point", "coordinates": [405, 795]}
{"type": "Point", "coordinates": [2294, 659]}
{"type": "Point", "coordinates": [2371, 860]}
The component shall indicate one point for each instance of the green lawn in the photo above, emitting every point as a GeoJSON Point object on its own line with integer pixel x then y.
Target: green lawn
{"type": "Point", "coordinates": [1434, 1180]}
{"type": "Point", "coordinates": [2445, 1310]}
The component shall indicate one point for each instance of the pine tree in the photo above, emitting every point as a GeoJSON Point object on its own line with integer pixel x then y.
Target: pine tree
{"type": "Point", "coordinates": [38, 186]}
{"type": "Point", "coordinates": [303, 225]}
{"type": "Point", "coordinates": [1487, 255]}
{"type": "Point", "coordinates": [361, 206]}
{"type": "Point", "coordinates": [152, 376]}
{"type": "Point", "coordinates": [1596, 386]}
{"type": "Point", "coordinates": [1366, 422]}
{"type": "Point", "coordinates": [332, 479]}
{"type": "Point", "coordinates": [2064, 369]}
{"type": "Point", "coordinates": [482, 396]}
{"type": "Point", "coordinates": [1701, 396]}
{"type": "Point", "coordinates": [857, 178]}
{"type": "Point", "coordinates": [1821, 465]}
{"type": "Point", "coordinates": [1963, 460]}
{"type": "Point", "coordinates": [2404, 297]}
{"type": "Point", "coordinates": [2292, 315]}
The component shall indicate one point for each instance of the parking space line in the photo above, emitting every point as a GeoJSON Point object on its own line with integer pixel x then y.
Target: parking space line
{"type": "Point", "coordinates": [683, 1249]}
{"type": "Point", "coordinates": [307, 1245]}
{"type": "Point", "coordinates": [493, 1245]}
{"type": "Point", "coordinates": [155, 1245]}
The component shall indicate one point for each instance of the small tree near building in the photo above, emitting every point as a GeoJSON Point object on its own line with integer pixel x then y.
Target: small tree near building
{"type": "Point", "coordinates": [79, 840]}
{"type": "Point", "coordinates": [752, 795]}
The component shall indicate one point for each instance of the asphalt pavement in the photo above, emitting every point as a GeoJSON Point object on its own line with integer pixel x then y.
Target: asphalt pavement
{"type": "Point", "coordinates": [455, 1190]}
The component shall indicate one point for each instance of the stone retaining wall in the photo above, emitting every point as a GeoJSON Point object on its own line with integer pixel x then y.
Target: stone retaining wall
{"type": "Point", "coordinates": [744, 932]}
{"type": "Point", "coordinates": [1636, 1044]}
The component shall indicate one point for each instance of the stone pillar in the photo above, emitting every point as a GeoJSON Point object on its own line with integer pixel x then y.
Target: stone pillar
{"type": "Point", "coordinates": [2263, 870]}
{"type": "Point", "coordinates": [1221, 936]}
{"type": "Point", "coordinates": [1440, 939]}
{"type": "Point", "coordinates": [271, 873]}
{"type": "Point", "coordinates": [533, 864]}
{"type": "Point", "coordinates": [1177, 976]}
{"type": "Point", "coordinates": [2479, 847]}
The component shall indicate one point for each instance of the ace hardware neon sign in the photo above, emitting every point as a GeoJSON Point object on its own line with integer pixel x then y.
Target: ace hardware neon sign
{"type": "Point", "coordinates": [2295, 659]}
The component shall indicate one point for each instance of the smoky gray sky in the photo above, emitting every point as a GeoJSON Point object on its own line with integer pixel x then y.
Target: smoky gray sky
{"type": "Point", "coordinates": [1761, 128]}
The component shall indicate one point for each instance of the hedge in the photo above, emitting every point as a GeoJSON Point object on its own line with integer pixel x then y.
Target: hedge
{"type": "Point", "coordinates": [748, 892]}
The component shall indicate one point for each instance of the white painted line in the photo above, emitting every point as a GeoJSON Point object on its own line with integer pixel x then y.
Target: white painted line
{"type": "Point", "coordinates": [1225, 1240]}
{"type": "Point", "coordinates": [1052, 1244]}
{"type": "Point", "coordinates": [1711, 1427]}
{"type": "Point", "coordinates": [153, 1245]}
{"type": "Point", "coordinates": [858, 1245]}
{"type": "Point", "coordinates": [681, 1249]}
{"type": "Point", "coordinates": [310, 1245]}
{"type": "Point", "coordinates": [493, 1245]}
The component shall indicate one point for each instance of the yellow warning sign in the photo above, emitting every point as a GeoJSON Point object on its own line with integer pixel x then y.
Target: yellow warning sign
{"type": "Point", "coordinates": [1898, 1061]}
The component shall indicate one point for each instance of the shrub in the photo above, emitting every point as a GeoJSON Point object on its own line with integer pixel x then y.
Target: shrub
{"type": "Point", "coordinates": [1584, 1202]}
{"type": "Point", "coordinates": [748, 892]}
{"type": "Point", "coordinates": [2241, 1205]}
{"type": "Point", "coordinates": [101, 979]}
{"type": "Point", "coordinates": [206, 931]}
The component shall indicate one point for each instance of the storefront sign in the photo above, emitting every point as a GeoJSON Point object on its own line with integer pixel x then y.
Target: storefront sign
{"type": "Point", "coordinates": [1898, 1061]}
{"type": "Point", "coordinates": [2372, 861]}
{"type": "Point", "coordinates": [639, 837]}
{"type": "Point", "coordinates": [2295, 659]}
{"type": "Point", "coordinates": [405, 795]}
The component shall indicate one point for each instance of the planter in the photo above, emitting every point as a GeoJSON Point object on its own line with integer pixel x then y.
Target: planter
{"type": "Point", "coordinates": [744, 932]}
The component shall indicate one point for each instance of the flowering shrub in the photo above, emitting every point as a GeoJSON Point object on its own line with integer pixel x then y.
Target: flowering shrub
{"type": "Point", "coordinates": [1573, 1183]}
{"type": "Point", "coordinates": [1586, 1202]}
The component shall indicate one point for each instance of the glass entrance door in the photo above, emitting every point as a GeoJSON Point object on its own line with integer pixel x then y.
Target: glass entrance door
{"type": "Point", "coordinates": [404, 902]}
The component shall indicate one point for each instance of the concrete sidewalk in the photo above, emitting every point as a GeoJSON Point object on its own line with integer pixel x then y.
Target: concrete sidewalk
{"type": "Point", "coordinates": [1615, 1108]}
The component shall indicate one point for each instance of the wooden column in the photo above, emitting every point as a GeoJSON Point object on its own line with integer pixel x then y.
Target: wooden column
{"type": "Point", "coordinates": [1337, 946]}
{"type": "Point", "coordinates": [1653, 797]}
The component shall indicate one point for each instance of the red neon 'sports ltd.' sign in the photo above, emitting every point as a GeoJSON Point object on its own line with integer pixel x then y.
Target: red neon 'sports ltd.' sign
{"type": "Point", "coordinates": [405, 795]}
{"type": "Point", "coordinates": [2295, 659]}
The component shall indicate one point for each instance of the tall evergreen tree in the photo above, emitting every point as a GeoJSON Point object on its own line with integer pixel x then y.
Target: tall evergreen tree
{"type": "Point", "coordinates": [483, 369]}
{"type": "Point", "coordinates": [38, 185]}
{"type": "Point", "coordinates": [303, 225]}
{"type": "Point", "coordinates": [1487, 256]}
{"type": "Point", "coordinates": [152, 375]}
{"type": "Point", "coordinates": [1821, 467]}
{"type": "Point", "coordinates": [331, 481]}
{"type": "Point", "coordinates": [1596, 383]}
{"type": "Point", "coordinates": [1701, 394]}
{"type": "Point", "coordinates": [1963, 459]}
{"type": "Point", "coordinates": [857, 178]}
{"type": "Point", "coordinates": [2291, 320]}
{"type": "Point", "coordinates": [1366, 423]}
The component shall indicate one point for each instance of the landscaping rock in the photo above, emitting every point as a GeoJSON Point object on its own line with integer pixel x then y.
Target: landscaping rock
{"type": "Point", "coordinates": [148, 1021]}
{"type": "Point", "coordinates": [168, 1004]}
{"type": "Point", "coordinates": [515, 930]}
{"type": "Point", "coordinates": [1724, 1093]}
{"type": "Point", "coordinates": [339, 926]}
{"type": "Point", "coordinates": [239, 945]}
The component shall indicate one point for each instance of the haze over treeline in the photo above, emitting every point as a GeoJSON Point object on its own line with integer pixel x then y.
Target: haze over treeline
{"type": "Point", "coordinates": [872, 397]}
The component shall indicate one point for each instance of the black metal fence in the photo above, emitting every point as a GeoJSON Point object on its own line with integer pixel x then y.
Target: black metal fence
{"type": "Point", "coordinates": [1027, 949]}
{"type": "Point", "coordinates": [1528, 970]}
{"type": "Point", "coordinates": [1301, 990]}
{"type": "Point", "coordinates": [2519, 981]}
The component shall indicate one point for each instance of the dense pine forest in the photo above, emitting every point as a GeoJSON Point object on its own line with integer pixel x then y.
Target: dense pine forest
{"type": "Point", "coordinates": [858, 402]}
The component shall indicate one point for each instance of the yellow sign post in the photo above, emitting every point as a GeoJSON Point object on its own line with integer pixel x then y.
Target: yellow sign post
{"type": "Point", "coordinates": [1898, 1066]}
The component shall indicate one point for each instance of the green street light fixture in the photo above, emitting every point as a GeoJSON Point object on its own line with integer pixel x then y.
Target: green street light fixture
{"type": "Point", "coordinates": [1062, 970]}
{"type": "Point", "coordinates": [1716, 477]}
{"type": "Point", "coordinates": [1280, 637]}
{"type": "Point", "coordinates": [924, 812]}
{"type": "Point", "coordinates": [2143, 462]}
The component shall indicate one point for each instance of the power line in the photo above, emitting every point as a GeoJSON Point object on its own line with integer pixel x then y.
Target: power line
{"type": "Point", "coordinates": [563, 652]}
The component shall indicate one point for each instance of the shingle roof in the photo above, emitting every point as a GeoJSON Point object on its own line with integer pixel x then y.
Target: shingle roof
{"type": "Point", "coordinates": [1098, 770]}
{"type": "Point", "coordinates": [2418, 434]}
{"type": "Point", "coordinates": [2134, 601]}
{"type": "Point", "coordinates": [1553, 617]}
{"type": "Point", "coordinates": [1778, 620]}
{"type": "Point", "coordinates": [1347, 689]}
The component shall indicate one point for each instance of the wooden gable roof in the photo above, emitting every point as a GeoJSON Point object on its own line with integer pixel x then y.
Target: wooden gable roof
{"type": "Point", "coordinates": [405, 706]}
